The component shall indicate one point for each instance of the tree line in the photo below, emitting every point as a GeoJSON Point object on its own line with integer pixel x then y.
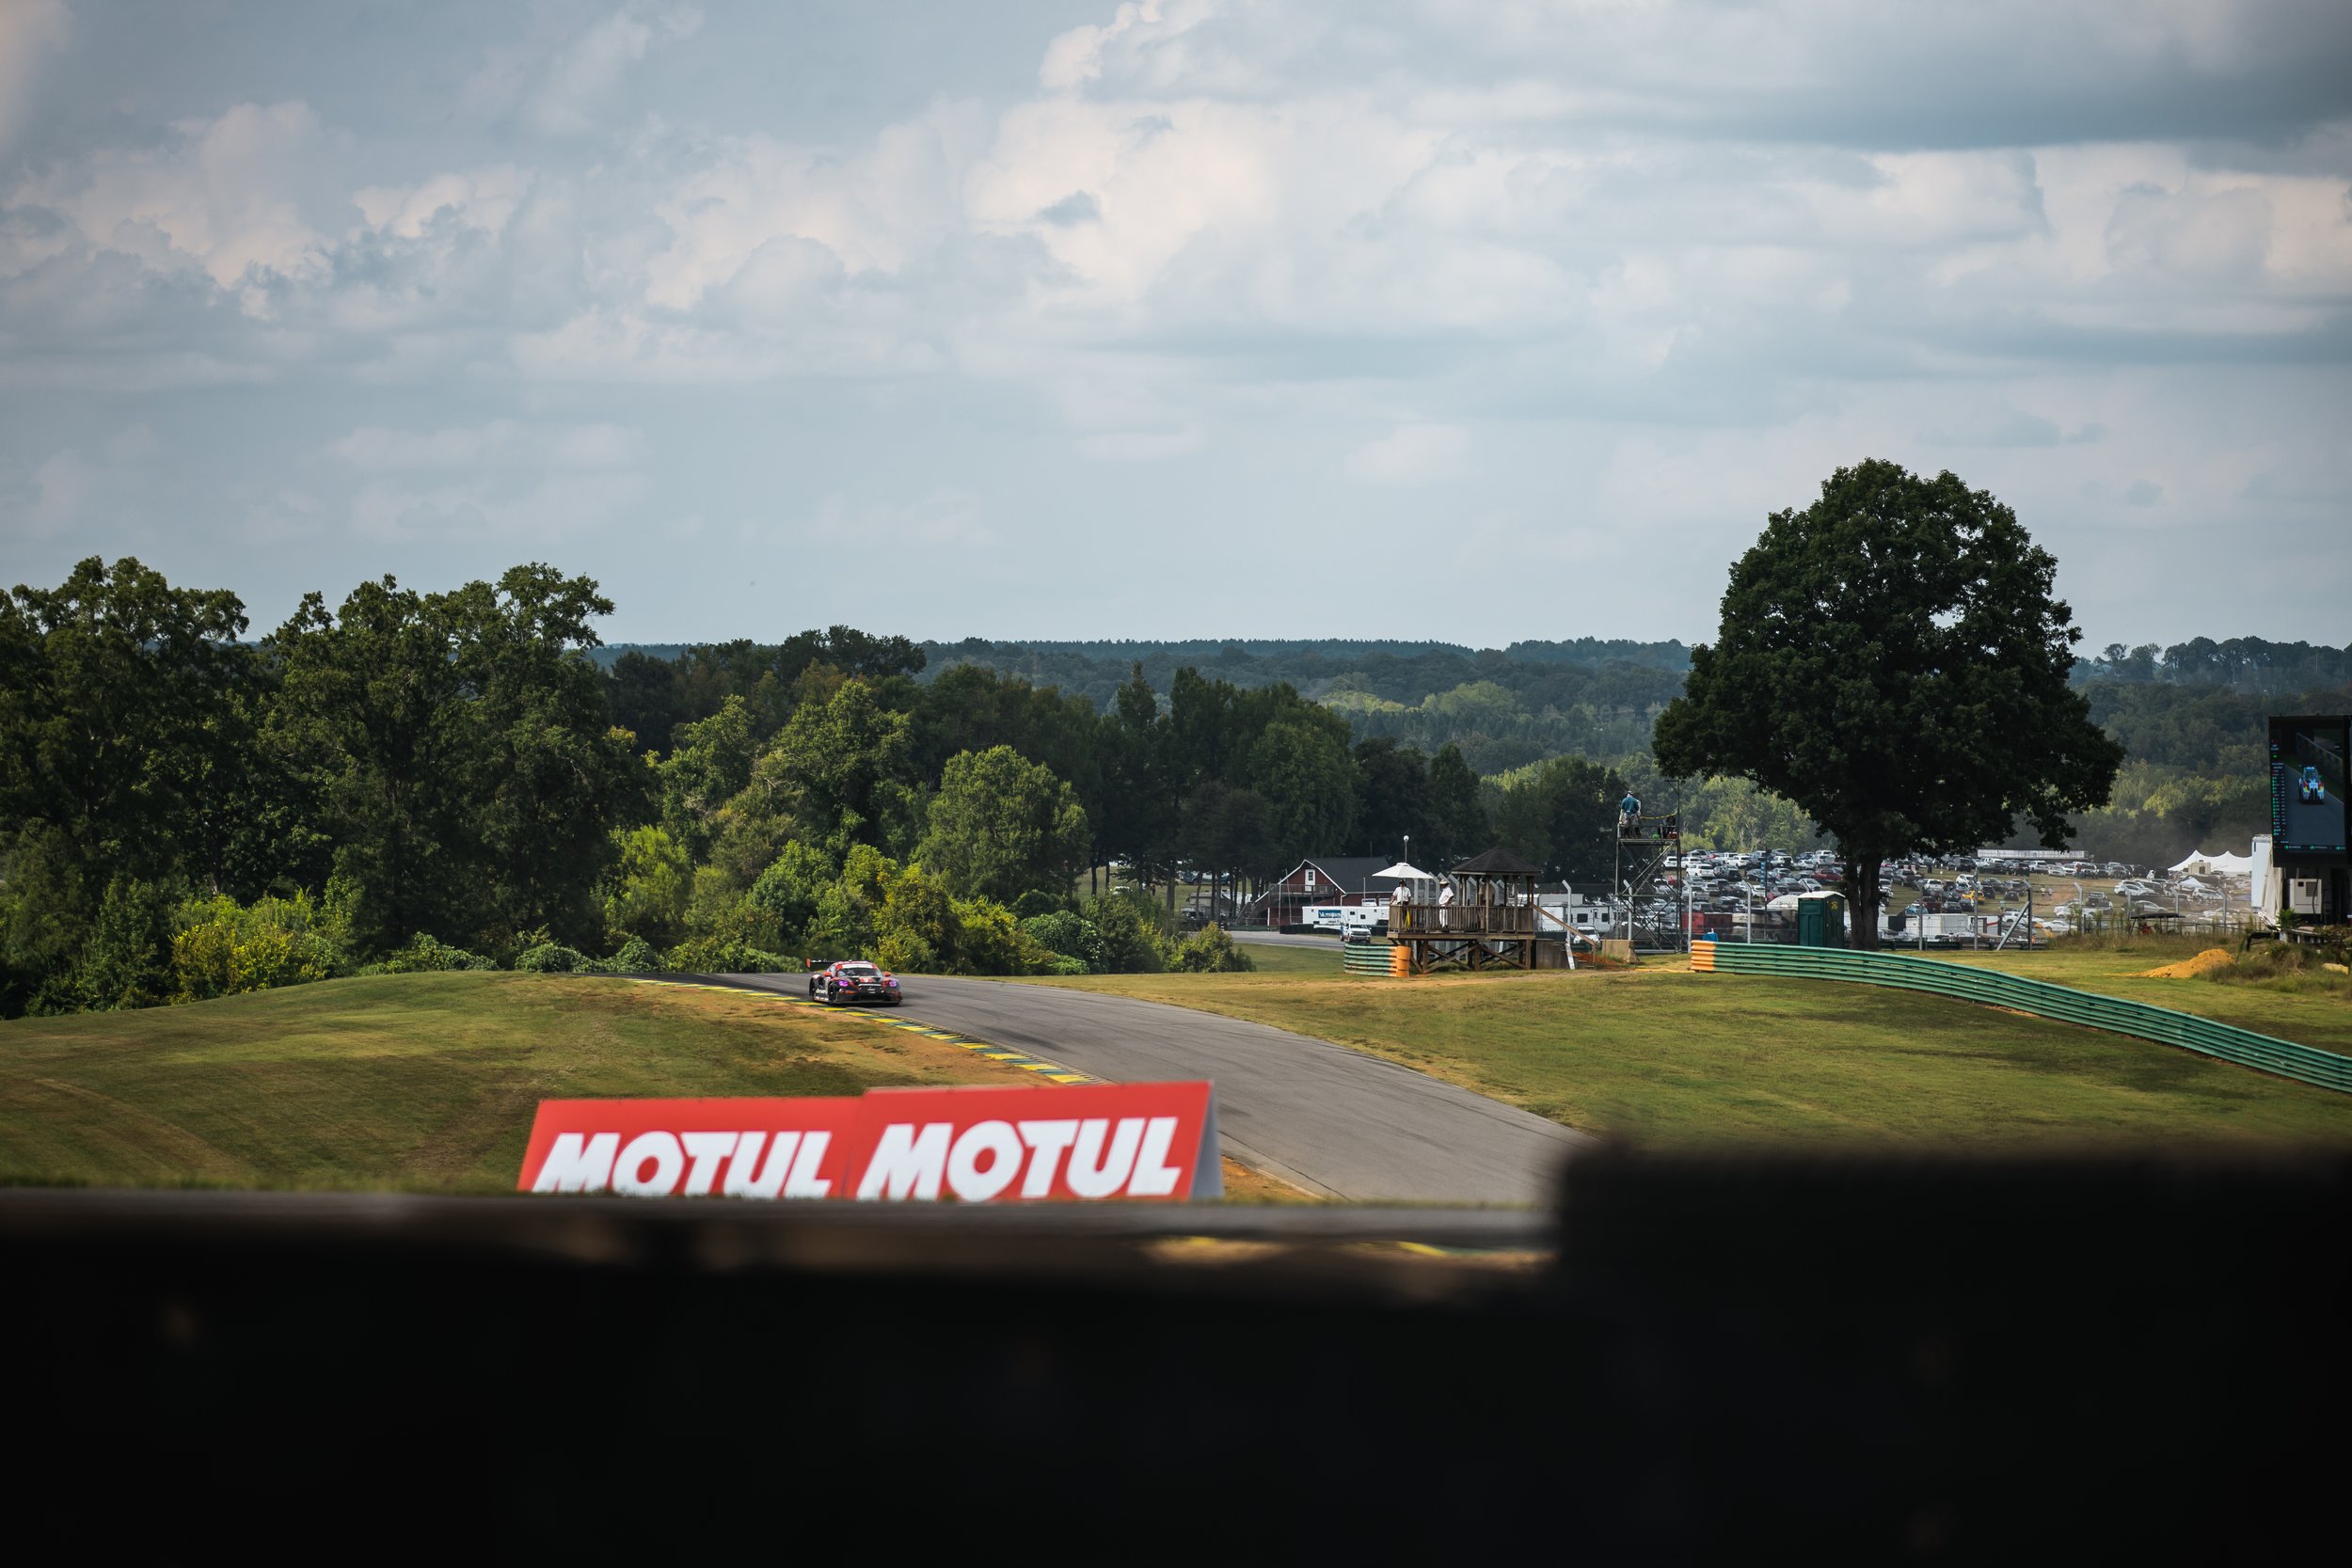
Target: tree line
{"type": "Point", "coordinates": [408, 779]}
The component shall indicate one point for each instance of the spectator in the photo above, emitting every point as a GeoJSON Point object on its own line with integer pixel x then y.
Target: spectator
{"type": "Point", "coordinates": [1445, 906]}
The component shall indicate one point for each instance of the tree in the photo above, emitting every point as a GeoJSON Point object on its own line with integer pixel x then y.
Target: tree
{"type": "Point", "coordinates": [1141, 810]}
{"type": "Point", "coordinates": [116, 707]}
{"type": "Point", "coordinates": [1457, 821]}
{"type": "Point", "coordinates": [710, 766]}
{"type": "Point", "coordinates": [1308, 780]}
{"type": "Point", "coordinates": [458, 753]}
{"type": "Point", "coordinates": [837, 776]}
{"type": "Point", "coordinates": [1562, 814]}
{"type": "Point", "coordinates": [650, 888]}
{"type": "Point", "coordinates": [1391, 803]}
{"type": "Point", "coordinates": [1734, 814]}
{"type": "Point", "coordinates": [1001, 825]}
{"type": "Point", "coordinates": [1891, 659]}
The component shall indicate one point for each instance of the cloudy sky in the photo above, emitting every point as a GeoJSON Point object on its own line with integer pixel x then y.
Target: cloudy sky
{"type": "Point", "coordinates": [1181, 318]}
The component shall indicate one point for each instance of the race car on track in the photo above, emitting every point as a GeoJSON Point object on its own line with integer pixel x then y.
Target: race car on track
{"type": "Point", "coordinates": [853, 980]}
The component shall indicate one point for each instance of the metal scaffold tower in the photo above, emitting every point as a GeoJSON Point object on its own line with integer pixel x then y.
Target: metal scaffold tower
{"type": "Point", "coordinates": [1642, 843]}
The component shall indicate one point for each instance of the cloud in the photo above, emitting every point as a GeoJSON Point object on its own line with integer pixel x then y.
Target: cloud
{"type": "Point", "coordinates": [234, 196]}
{"type": "Point", "coordinates": [582, 78]}
{"type": "Point", "coordinates": [555, 509]}
{"type": "Point", "coordinates": [498, 444]}
{"type": "Point", "coordinates": [1624, 266]}
{"type": "Point", "coordinates": [484, 200]}
{"type": "Point", "coordinates": [75, 486]}
{"type": "Point", "coordinates": [947, 518]}
{"type": "Point", "coordinates": [30, 32]}
{"type": "Point", "coordinates": [1411, 454]}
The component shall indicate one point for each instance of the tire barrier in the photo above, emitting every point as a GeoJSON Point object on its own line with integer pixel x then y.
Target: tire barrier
{"type": "Point", "coordinates": [1988, 988]}
{"type": "Point", "coordinates": [1373, 957]}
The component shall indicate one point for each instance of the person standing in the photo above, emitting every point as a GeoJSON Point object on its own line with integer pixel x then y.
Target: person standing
{"type": "Point", "coordinates": [1445, 907]}
{"type": "Point", "coordinates": [1400, 901]}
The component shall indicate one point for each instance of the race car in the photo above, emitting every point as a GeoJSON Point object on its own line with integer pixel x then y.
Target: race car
{"type": "Point", "coordinates": [853, 980]}
{"type": "Point", "coordinates": [2312, 791]}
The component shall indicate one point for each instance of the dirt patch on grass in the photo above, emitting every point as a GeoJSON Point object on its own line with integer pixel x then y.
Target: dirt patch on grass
{"type": "Point", "coordinates": [2189, 968]}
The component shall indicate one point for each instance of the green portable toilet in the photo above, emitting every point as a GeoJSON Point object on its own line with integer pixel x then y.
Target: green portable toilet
{"type": "Point", "coordinates": [1821, 922]}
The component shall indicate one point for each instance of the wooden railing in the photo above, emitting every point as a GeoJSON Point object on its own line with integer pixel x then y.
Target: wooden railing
{"type": "Point", "coordinates": [1462, 920]}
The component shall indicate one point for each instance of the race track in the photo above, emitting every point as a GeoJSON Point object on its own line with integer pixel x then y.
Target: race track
{"type": "Point", "coordinates": [1334, 1121]}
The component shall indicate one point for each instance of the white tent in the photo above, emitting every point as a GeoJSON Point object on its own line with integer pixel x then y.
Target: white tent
{"type": "Point", "coordinates": [2202, 864]}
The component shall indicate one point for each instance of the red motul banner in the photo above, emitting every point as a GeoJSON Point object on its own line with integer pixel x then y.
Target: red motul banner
{"type": "Point", "coordinates": [975, 1144]}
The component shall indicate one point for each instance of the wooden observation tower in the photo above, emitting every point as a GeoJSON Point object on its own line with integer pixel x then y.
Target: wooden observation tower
{"type": "Point", "coordinates": [1490, 922]}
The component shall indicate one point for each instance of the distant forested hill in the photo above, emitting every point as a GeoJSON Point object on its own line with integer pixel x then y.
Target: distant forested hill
{"type": "Point", "coordinates": [2189, 715]}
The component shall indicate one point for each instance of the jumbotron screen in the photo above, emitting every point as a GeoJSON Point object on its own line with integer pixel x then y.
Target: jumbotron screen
{"type": "Point", "coordinates": [2307, 785]}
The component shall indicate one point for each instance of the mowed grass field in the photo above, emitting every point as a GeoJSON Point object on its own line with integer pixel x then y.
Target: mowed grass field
{"type": "Point", "coordinates": [1665, 1057]}
{"type": "Point", "coordinates": [2320, 1015]}
{"type": "Point", "coordinates": [423, 1082]}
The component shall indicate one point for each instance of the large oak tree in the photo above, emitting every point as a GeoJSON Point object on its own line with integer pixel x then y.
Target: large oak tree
{"type": "Point", "coordinates": [1892, 660]}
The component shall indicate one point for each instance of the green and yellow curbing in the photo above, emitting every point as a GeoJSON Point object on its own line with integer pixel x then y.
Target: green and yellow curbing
{"type": "Point", "coordinates": [1053, 1072]}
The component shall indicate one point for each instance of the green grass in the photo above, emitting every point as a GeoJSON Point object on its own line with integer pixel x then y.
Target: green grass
{"type": "Point", "coordinates": [1283, 959]}
{"type": "Point", "coordinates": [2317, 1011]}
{"type": "Point", "coordinates": [418, 1081]}
{"type": "Point", "coordinates": [1665, 1056]}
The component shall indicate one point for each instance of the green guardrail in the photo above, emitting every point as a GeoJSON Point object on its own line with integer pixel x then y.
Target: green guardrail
{"type": "Point", "coordinates": [2207, 1037]}
{"type": "Point", "coordinates": [1367, 958]}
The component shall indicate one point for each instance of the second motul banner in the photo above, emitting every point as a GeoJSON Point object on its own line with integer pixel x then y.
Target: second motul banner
{"type": "Point", "coordinates": [971, 1145]}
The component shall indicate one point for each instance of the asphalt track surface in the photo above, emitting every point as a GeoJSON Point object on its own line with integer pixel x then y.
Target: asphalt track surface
{"type": "Point", "coordinates": [1334, 1121]}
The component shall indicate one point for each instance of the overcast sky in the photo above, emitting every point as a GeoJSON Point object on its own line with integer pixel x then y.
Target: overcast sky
{"type": "Point", "coordinates": [1067, 318]}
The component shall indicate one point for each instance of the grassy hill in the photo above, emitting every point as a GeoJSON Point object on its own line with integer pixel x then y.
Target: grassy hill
{"type": "Point", "coordinates": [1667, 1056]}
{"type": "Point", "coordinates": [418, 1080]}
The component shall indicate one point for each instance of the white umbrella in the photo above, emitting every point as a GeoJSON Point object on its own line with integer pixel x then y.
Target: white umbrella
{"type": "Point", "coordinates": [1406, 871]}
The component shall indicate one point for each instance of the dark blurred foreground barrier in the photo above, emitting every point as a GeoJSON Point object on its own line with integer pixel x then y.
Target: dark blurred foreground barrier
{"type": "Point", "coordinates": [1991, 987]}
{"type": "Point", "coordinates": [1726, 1357]}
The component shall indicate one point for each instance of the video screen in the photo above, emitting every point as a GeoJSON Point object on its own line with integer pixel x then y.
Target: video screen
{"type": "Point", "coordinates": [2307, 785]}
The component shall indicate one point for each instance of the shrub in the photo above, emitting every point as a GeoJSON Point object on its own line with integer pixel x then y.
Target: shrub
{"type": "Point", "coordinates": [1062, 965]}
{"type": "Point", "coordinates": [551, 957]}
{"type": "Point", "coordinates": [1212, 950]}
{"type": "Point", "coordinates": [990, 941]}
{"type": "Point", "coordinates": [423, 955]}
{"type": "Point", "coordinates": [1070, 936]}
{"type": "Point", "coordinates": [636, 956]}
{"type": "Point", "coordinates": [1035, 902]}
{"type": "Point", "coordinates": [223, 948]}
{"type": "Point", "coordinates": [1132, 942]}
{"type": "Point", "coordinates": [720, 955]}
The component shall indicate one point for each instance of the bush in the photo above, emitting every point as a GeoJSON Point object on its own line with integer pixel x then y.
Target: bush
{"type": "Point", "coordinates": [720, 956]}
{"type": "Point", "coordinates": [551, 957]}
{"type": "Point", "coordinates": [990, 941]}
{"type": "Point", "coordinates": [1070, 936]}
{"type": "Point", "coordinates": [1212, 950]}
{"type": "Point", "coordinates": [1132, 941]}
{"type": "Point", "coordinates": [636, 956]}
{"type": "Point", "coordinates": [223, 948]}
{"type": "Point", "coordinates": [425, 955]}
{"type": "Point", "coordinates": [1062, 965]}
{"type": "Point", "coordinates": [1037, 902]}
